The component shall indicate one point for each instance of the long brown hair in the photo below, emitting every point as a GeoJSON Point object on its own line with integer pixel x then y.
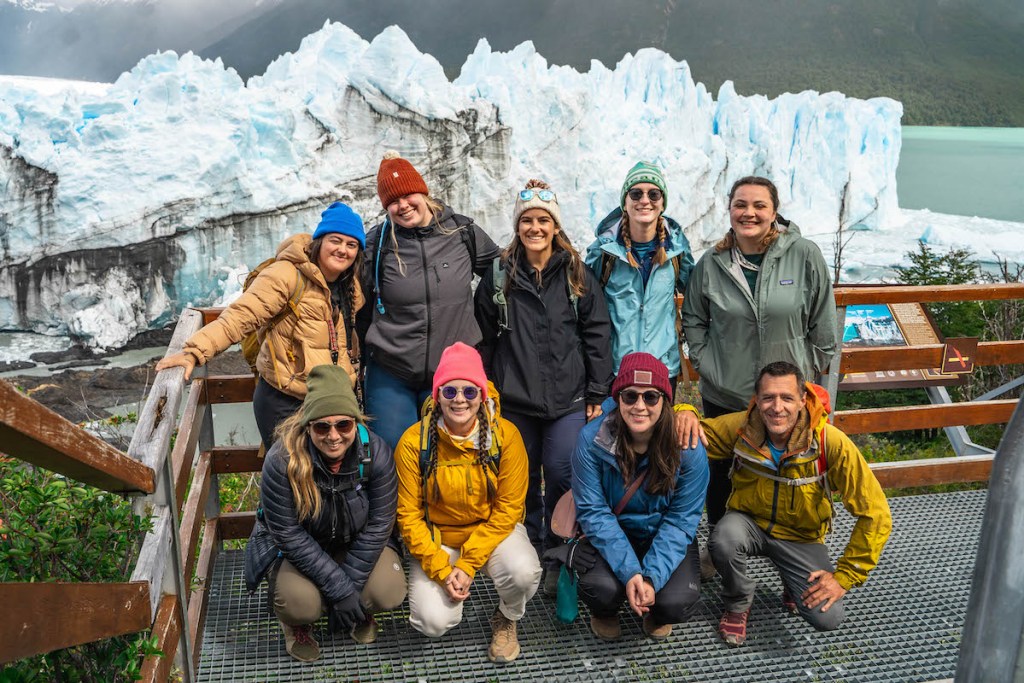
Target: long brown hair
{"type": "Point", "coordinates": [292, 434]}
{"type": "Point", "coordinates": [561, 242]}
{"type": "Point", "coordinates": [660, 255]}
{"type": "Point", "coordinates": [729, 241]}
{"type": "Point", "coordinates": [663, 456]}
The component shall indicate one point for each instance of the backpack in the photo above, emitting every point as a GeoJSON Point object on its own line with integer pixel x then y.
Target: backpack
{"type": "Point", "coordinates": [465, 234]}
{"type": "Point", "coordinates": [252, 342]}
{"type": "Point", "coordinates": [499, 276]}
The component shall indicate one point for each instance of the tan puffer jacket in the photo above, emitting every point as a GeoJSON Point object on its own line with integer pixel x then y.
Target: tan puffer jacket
{"type": "Point", "coordinates": [296, 344]}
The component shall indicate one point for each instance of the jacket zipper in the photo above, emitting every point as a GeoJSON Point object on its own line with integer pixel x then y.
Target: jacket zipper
{"type": "Point", "coordinates": [426, 287]}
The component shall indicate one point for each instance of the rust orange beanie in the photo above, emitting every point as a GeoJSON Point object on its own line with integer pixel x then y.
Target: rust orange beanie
{"type": "Point", "coordinates": [397, 178]}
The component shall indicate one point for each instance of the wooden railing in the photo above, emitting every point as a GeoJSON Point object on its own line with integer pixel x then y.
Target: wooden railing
{"type": "Point", "coordinates": [187, 517]}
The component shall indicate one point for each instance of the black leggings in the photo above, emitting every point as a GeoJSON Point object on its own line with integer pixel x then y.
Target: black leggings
{"type": "Point", "coordinates": [271, 407]}
{"type": "Point", "coordinates": [719, 485]}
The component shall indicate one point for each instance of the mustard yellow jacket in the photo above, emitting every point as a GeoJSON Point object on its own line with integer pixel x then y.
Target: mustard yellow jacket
{"type": "Point", "coordinates": [297, 342]}
{"type": "Point", "coordinates": [461, 517]}
{"type": "Point", "coordinates": [802, 512]}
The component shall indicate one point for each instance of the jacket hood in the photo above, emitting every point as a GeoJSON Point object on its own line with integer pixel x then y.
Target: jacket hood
{"type": "Point", "coordinates": [754, 431]}
{"type": "Point", "coordinates": [607, 232]}
{"type": "Point", "coordinates": [293, 249]}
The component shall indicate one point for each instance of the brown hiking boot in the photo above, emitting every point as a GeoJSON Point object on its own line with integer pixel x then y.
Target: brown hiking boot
{"type": "Point", "coordinates": [300, 643]}
{"type": "Point", "coordinates": [365, 632]}
{"type": "Point", "coordinates": [606, 628]}
{"type": "Point", "coordinates": [551, 582]}
{"type": "Point", "coordinates": [655, 630]}
{"type": "Point", "coordinates": [504, 643]}
{"type": "Point", "coordinates": [707, 566]}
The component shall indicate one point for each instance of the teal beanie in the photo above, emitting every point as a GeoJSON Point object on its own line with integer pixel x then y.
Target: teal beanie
{"type": "Point", "coordinates": [643, 172]}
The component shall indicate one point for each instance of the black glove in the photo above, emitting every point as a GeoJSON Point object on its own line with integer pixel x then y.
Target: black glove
{"type": "Point", "coordinates": [582, 556]}
{"type": "Point", "coordinates": [559, 553]}
{"type": "Point", "coordinates": [345, 614]}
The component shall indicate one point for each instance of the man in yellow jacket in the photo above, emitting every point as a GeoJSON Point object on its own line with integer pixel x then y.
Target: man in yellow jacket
{"type": "Point", "coordinates": [787, 463]}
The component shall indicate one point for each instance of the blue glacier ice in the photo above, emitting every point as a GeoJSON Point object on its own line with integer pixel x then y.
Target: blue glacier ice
{"type": "Point", "coordinates": [124, 202]}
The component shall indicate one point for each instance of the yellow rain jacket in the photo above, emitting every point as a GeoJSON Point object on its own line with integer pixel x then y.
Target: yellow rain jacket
{"type": "Point", "coordinates": [461, 517]}
{"type": "Point", "coordinates": [792, 503]}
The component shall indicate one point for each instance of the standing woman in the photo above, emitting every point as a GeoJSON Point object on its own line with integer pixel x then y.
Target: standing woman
{"type": "Point", "coordinates": [304, 304]}
{"type": "Point", "coordinates": [461, 485]}
{"type": "Point", "coordinates": [422, 259]}
{"type": "Point", "coordinates": [763, 294]}
{"type": "Point", "coordinates": [642, 258]}
{"type": "Point", "coordinates": [327, 505]}
{"type": "Point", "coordinates": [545, 344]}
{"type": "Point", "coordinates": [638, 501]}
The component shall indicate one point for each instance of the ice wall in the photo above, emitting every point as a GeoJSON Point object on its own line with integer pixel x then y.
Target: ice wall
{"type": "Point", "coordinates": [121, 203]}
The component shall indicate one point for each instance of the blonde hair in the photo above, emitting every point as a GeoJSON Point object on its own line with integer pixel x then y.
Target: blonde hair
{"type": "Point", "coordinates": [435, 208]}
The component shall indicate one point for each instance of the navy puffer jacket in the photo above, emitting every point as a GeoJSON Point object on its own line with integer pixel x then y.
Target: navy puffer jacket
{"type": "Point", "coordinates": [356, 517]}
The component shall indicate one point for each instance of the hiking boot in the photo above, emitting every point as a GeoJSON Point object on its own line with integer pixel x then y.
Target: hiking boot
{"type": "Point", "coordinates": [551, 582]}
{"type": "Point", "coordinates": [606, 628]}
{"type": "Point", "coordinates": [789, 602]}
{"type": "Point", "coordinates": [707, 567]}
{"type": "Point", "coordinates": [365, 632]}
{"type": "Point", "coordinates": [504, 643]}
{"type": "Point", "coordinates": [655, 630]}
{"type": "Point", "coordinates": [300, 643]}
{"type": "Point", "coordinates": [733, 627]}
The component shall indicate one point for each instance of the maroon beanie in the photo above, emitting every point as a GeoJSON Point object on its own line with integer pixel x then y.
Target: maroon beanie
{"type": "Point", "coordinates": [643, 370]}
{"type": "Point", "coordinates": [396, 178]}
{"type": "Point", "coordinates": [460, 361]}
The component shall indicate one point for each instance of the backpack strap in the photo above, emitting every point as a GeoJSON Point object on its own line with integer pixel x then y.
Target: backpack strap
{"type": "Point", "coordinates": [376, 265]}
{"type": "Point", "coordinates": [365, 462]}
{"type": "Point", "coordinates": [499, 298]}
{"type": "Point", "coordinates": [633, 488]}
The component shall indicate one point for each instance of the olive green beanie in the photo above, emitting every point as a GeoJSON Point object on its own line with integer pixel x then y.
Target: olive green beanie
{"type": "Point", "coordinates": [329, 393]}
{"type": "Point", "coordinates": [643, 172]}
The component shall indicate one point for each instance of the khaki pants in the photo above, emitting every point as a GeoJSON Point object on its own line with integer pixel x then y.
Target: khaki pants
{"type": "Point", "coordinates": [297, 600]}
{"type": "Point", "coordinates": [513, 567]}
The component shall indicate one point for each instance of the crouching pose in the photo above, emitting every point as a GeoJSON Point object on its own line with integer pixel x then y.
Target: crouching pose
{"type": "Point", "coordinates": [786, 462]}
{"type": "Point", "coordinates": [638, 499]}
{"type": "Point", "coordinates": [327, 507]}
{"type": "Point", "coordinates": [462, 474]}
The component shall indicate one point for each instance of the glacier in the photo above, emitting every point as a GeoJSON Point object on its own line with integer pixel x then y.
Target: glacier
{"type": "Point", "coordinates": [124, 202]}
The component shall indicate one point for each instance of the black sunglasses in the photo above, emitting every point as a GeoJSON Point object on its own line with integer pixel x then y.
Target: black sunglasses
{"type": "Point", "coordinates": [636, 194]}
{"type": "Point", "coordinates": [631, 396]}
{"type": "Point", "coordinates": [470, 393]}
{"type": "Point", "coordinates": [323, 427]}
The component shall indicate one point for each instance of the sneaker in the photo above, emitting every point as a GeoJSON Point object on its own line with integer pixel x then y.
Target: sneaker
{"type": "Point", "coordinates": [551, 582]}
{"type": "Point", "coordinates": [655, 630]}
{"type": "Point", "coordinates": [707, 567]}
{"type": "Point", "coordinates": [789, 602]}
{"type": "Point", "coordinates": [365, 632]}
{"type": "Point", "coordinates": [504, 643]}
{"type": "Point", "coordinates": [733, 627]}
{"type": "Point", "coordinates": [606, 628]}
{"type": "Point", "coordinates": [300, 643]}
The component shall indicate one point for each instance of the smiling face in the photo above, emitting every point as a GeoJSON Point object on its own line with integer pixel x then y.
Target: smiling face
{"type": "Point", "coordinates": [333, 444]}
{"type": "Point", "coordinates": [459, 414]}
{"type": "Point", "coordinates": [536, 231]}
{"type": "Point", "coordinates": [640, 418]}
{"type": "Point", "coordinates": [336, 255]}
{"type": "Point", "coordinates": [410, 211]}
{"type": "Point", "coordinates": [643, 213]}
{"type": "Point", "coordinates": [751, 214]}
{"type": "Point", "coordinates": [780, 400]}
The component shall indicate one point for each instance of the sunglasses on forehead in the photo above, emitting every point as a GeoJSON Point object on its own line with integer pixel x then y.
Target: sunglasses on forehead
{"type": "Point", "coordinates": [469, 393]}
{"type": "Point", "coordinates": [323, 427]}
{"type": "Point", "coordinates": [636, 194]}
{"type": "Point", "coordinates": [543, 195]}
{"type": "Point", "coordinates": [631, 396]}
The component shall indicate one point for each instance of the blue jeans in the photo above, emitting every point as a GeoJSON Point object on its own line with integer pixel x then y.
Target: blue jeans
{"type": "Point", "coordinates": [393, 404]}
{"type": "Point", "coordinates": [549, 445]}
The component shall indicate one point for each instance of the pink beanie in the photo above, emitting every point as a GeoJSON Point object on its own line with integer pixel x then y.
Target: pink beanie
{"type": "Point", "coordinates": [460, 361]}
{"type": "Point", "coordinates": [643, 370]}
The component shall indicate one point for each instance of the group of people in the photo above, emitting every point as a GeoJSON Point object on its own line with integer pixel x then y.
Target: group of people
{"type": "Point", "coordinates": [402, 411]}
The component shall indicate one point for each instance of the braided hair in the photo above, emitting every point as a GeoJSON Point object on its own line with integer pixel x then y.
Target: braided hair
{"type": "Point", "coordinates": [482, 456]}
{"type": "Point", "coordinates": [431, 470]}
{"type": "Point", "coordinates": [660, 255]}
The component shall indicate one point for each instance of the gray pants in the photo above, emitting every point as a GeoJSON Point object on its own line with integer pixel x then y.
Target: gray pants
{"type": "Point", "coordinates": [737, 537]}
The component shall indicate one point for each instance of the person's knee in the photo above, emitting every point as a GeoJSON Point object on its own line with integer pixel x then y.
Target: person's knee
{"type": "Point", "coordinates": [826, 621]}
{"type": "Point", "coordinates": [677, 606]}
{"type": "Point", "coordinates": [432, 624]}
{"type": "Point", "coordinates": [600, 590]}
{"type": "Point", "coordinates": [296, 608]}
{"type": "Point", "coordinates": [727, 540]}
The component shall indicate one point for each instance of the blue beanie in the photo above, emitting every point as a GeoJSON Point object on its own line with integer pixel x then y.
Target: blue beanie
{"type": "Point", "coordinates": [340, 218]}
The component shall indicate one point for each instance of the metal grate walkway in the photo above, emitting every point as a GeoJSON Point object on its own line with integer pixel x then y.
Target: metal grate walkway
{"type": "Point", "coordinates": [903, 625]}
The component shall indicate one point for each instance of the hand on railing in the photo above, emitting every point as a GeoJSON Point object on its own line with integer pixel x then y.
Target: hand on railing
{"type": "Point", "coordinates": [178, 360]}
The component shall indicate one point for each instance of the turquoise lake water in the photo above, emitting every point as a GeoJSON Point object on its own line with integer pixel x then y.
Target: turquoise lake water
{"type": "Point", "coordinates": [963, 171]}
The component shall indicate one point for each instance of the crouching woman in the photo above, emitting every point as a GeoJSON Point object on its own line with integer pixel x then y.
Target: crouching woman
{"type": "Point", "coordinates": [639, 499]}
{"type": "Point", "coordinates": [462, 474]}
{"type": "Point", "coordinates": [327, 507]}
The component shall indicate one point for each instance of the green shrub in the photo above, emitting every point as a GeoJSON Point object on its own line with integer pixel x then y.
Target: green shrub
{"type": "Point", "coordinates": [53, 529]}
